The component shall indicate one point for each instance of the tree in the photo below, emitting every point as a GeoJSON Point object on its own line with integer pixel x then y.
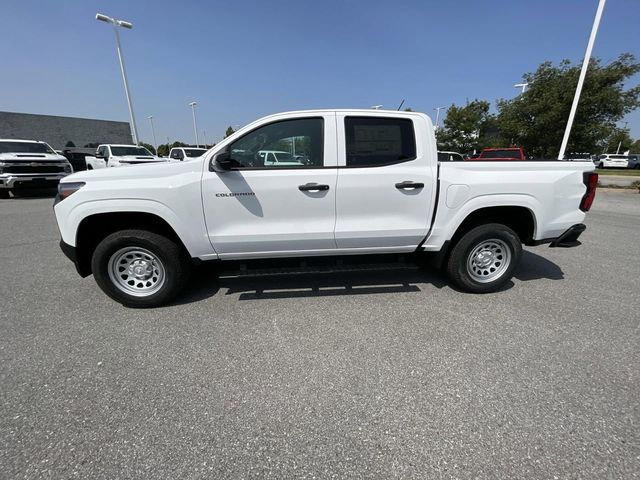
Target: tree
{"type": "Point", "coordinates": [465, 128]}
{"type": "Point", "coordinates": [230, 131]}
{"type": "Point", "coordinates": [70, 144]}
{"type": "Point", "coordinates": [148, 147]}
{"type": "Point", "coordinates": [536, 119]}
{"type": "Point", "coordinates": [165, 148]}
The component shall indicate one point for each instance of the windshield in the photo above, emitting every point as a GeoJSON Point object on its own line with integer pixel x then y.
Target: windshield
{"type": "Point", "coordinates": [501, 154]}
{"type": "Point", "coordinates": [283, 156]}
{"type": "Point", "coordinates": [122, 151]}
{"type": "Point", "coordinates": [25, 147]}
{"type": "Point", "coordinates": [194, 152]}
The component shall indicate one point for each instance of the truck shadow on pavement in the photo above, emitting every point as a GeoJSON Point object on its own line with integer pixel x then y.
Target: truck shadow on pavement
{"type": "Point", "coordinates": [400, 278]}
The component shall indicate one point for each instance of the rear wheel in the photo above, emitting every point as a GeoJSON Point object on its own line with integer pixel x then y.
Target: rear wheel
{"type": "Point", "coordinates": [139, 268]}
{"type": "Point", "coordinates": [484, 258]}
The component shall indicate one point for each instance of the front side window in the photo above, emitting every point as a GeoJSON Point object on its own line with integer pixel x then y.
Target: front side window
{"type": "Point", "coordinates": [287, 144]}
{"type": "Point", "coordinates": [375, 141]}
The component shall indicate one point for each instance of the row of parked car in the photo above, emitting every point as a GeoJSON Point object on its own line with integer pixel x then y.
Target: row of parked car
{"type": "Point", "coordinates": [606, 160]}
{"type": "Point", "coordinates": [29, 163]}
{"type": "Point", "coordinates": [34, 164]}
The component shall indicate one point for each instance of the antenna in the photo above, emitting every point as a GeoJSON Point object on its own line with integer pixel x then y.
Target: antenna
{"type": "Point", "coordinates": [401, 103]}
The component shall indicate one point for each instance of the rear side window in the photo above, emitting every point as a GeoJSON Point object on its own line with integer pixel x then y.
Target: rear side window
{"type": "Point", "coordinates": [377, 141]}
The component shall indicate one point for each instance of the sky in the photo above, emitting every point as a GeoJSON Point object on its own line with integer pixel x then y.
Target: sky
{"type": "Point", "coordinates": [241, 60]}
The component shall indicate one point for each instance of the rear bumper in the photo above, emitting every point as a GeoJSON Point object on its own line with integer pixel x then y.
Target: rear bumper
{"type": "Point", "coordinates": [567, 240]}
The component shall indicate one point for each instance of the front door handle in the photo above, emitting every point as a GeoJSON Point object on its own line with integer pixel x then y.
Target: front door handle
{"type": "Point", "coordinates": [408, 185]}
{"type": "Point", "coordinates": [313, 187]}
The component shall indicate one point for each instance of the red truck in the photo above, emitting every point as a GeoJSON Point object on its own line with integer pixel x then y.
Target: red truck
{"type": "Point", "coordinates": [492, 154]}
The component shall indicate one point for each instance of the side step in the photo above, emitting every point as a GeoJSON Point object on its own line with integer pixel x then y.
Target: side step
{"type": "Point", "coordinates": [315, 265]}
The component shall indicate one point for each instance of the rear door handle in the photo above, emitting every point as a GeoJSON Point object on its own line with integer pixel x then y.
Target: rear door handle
{"type": "Point", "coordinates": [313, 187]}
{"type": "Point", "coordinates": [409, 185]}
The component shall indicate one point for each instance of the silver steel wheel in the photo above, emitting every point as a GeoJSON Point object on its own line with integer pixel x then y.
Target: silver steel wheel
{"type": "Point", "coordinates": [488, 261]}
{"type": "Point", "coordinates": [136, 271]}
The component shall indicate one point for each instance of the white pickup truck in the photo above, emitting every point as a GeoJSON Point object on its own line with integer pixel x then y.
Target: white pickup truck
{"type": "Point", "coordinates": [109, 155]}
{"type": "Point", "coordinates": [29, 164]}
{"type": "Point", "coordinates": [371, 184]}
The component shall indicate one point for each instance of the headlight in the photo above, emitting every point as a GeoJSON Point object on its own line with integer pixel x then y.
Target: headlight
{"type": "Point", "coordinates": [66, 189]}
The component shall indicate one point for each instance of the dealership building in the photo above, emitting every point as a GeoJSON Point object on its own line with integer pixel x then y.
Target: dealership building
{"type": "Point", "coordinates": [61, 132]}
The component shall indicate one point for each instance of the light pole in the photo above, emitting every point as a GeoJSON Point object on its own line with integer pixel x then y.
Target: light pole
{"type": "Point", "coordinates": [522, 85]}
{"type": "Point", "coordinates": [620, 144]}
{"type": "Point", "coordinates": [583, 74]}
{"type": "Point", "coordinates": [377, 107]}
{"type": "Point", "coordinates": [437, 109]}
{"type": "Point", "coordinates": [195, 128]}
{"type": "Point", "coordinates": [153, 133]}
{"type": "Point", "coordinates": [123, 24]}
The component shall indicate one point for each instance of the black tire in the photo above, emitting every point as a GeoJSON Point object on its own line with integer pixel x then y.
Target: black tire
{"type": "Point", "coordinates": [166, 254]}
{"type": "Point", "coordinates": [504, 249]}
{"type": "Point", "coordinates": [4, 193]}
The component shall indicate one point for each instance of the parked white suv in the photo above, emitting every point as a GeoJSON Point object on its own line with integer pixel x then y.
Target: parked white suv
{"type": "Point", "coordinates": [30, 164]}
{"type": "Point", "coordinates": [612, 160]}
{"type": "Point", "coordinates": [372, 183]}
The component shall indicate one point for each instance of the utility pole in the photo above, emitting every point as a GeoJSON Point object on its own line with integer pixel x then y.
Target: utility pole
{"type": "Point", "coordinates": [195, 127]}
{"type": "Point", "coordinates": [583, 74]}
{"type": "Point", "coordinates": [437, 109]}
{"type": "Point", "coordinates": [128, 25]}
{"type": "Point", "coordinates": [153, 133]}
{"type": "Point", "coordinates": [620, 144]}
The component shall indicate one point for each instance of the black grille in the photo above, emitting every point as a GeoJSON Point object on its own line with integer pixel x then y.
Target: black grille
{"type": "Point", "coordinates": [33, 169]}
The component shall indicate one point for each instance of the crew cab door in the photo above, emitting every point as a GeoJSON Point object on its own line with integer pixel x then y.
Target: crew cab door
{"type": "Point", "coordinates": [386, 181]}
{"type": "Point", "coordinates": [258, 210]}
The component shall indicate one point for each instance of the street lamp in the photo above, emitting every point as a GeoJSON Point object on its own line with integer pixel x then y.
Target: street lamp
{"type": "Point", "coordinates": [523, 86]}
{"type": "Point", "coordinates": [153, 133]}
{"type": "Point", "coordinates": [195, 128]}
{"type": "Point", "coordinates": [123, 24]}
{"type": "Point", "coordinates": [377, 107]}
{"type": "Point", "coordinates": [620, 144]}
{"type": "Point", "coordinates": [437, 109]}
{"type": "Point", "coordinates": [583, 74]}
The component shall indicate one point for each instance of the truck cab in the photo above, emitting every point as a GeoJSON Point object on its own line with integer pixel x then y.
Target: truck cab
{"type": "Point", "coordinates": [110, 155]}
{"type": "Point", "coordinates": [186, 153]}
{"type": "Point", "coordinates": [30, 164]}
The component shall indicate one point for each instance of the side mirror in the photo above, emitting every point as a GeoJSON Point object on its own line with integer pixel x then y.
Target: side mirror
{"type": "Point", "coordinates": [222, 162]}
{"type": "Point", "coordinates": [97, 155]}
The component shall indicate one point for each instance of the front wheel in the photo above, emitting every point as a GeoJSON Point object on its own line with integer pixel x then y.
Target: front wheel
{"type": "Point", "coordinates": [139, 268]}
{"type": "Point", "coordinates": [484, 258]}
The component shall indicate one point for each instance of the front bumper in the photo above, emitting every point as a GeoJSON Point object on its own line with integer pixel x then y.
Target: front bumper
{"type": "Point", "coordinates": [9, 180]}
{"type": "Point", "coordinates": [72, 254]}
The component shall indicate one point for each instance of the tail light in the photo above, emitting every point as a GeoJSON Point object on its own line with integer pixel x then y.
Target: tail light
{"type": "Point", "coordinates": [591, 181]}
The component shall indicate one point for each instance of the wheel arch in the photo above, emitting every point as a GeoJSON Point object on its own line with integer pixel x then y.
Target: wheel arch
{"type": "Point", "coordinates": [95, 227]}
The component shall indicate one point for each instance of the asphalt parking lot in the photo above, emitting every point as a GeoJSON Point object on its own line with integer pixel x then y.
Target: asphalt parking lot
{"type": "Point", "coordinates": [378, 374]}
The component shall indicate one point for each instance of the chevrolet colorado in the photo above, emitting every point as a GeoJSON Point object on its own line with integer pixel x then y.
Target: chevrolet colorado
{"type": "Point", "coordinates": [371, 183]}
